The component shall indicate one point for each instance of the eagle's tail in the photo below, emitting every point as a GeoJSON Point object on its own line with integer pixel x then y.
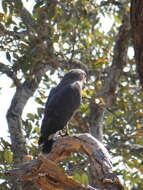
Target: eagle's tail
{"type": "Point", "coordinates": [46, 144]}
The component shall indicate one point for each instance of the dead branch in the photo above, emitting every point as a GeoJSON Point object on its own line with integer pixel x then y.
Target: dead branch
{"type": "Point", "coordinates": [47, 175]}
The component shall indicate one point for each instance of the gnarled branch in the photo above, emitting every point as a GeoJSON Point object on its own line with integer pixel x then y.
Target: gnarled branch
{"type": "Point", "coordinates": [47, 175]}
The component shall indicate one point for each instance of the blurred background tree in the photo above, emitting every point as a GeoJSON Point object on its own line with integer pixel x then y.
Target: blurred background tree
{"type": "Point", "coordinates": [40, 45]}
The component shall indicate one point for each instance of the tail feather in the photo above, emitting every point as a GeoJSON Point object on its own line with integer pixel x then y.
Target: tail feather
{"type": "Point", "coordinates": [46, 144]}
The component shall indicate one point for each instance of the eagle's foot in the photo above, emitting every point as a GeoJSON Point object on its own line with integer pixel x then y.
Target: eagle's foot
{"type": "Point", "coordinates": [64, 132]}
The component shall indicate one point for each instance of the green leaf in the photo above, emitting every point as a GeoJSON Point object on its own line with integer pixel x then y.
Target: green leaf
{"type": "Point", "coordinates": [8, 156]}
{"type": "Point", "coordinates": [39, 100]}
{"type": "Point", "coordinates": [109, 119]}
{"type": "Point", "coordinates": [117, 19]}
{"type": "Point", "coordinates": [31, 116]}
{"type": "Point", "coordinates": [77, 177]}
{"type": "Point", "coordinates": [1, 16]}
{"type": "Point", "coordinates": [37, 130]}
{"type": "Point", "coordinates": [84, 179]}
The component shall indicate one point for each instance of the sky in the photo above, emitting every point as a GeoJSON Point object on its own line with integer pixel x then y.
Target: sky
{"type": "Point", "coordinates": [7, 93]}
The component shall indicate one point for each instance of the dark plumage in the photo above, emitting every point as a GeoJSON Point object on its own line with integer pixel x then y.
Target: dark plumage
{"type": "Point", "coordinates": [62, 102]}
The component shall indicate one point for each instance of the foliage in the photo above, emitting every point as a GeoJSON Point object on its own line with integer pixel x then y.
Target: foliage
{"type": "Point", "coordinates": [75, 30]}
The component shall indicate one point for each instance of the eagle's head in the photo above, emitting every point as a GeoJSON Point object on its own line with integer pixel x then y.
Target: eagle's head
{"type": "Point", "coordinates": [75, 75]}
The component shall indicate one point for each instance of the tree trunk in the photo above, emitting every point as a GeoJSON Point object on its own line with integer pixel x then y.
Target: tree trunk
{"type": "Point", "coordinates": [107, 93]}
{"type": "Point", "coordinates": [18, 141]}
{"type": "Point", "coordinates": [137, 34]}
{"type": "Point", "coordinates": [47, 175]}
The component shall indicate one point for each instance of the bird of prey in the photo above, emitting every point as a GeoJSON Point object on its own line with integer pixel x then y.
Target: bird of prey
{"type": "Point", "coordinates": [62, 102]}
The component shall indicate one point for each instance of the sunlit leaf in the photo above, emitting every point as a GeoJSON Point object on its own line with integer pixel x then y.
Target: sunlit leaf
{"type": "Point", "coordinates": [8, 156]}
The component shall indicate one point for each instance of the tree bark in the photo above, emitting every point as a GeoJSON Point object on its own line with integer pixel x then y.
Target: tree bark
{"type": "Point", "coordinates": [137, 35]}
{"type": "Point", "coordinates": [22, 95]}
{"type": "Point", "coordinates": [45, 173]}
{"type": "Point", "coordinates": [107, 93]}
{"type": "Point", "coordinates": [26, 89]}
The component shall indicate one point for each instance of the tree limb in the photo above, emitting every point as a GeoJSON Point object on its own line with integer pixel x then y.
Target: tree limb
{"type": "Point", "coordinates": [47, 175]}
{"type": "Point", "coordinates": [26, 16]}
{"type": "Point", "coordinates": [108, 90]}
{"type": "Point", "coordinates": [119, 61]}
{"type": "Point", "coordinates": [25, 91]}
{"type": "Point", "coordinates": [20, 98]}
{"type": "Point", "coordinates": [6, 70]}
{"type": "Point", "coordinates": [107, 93]}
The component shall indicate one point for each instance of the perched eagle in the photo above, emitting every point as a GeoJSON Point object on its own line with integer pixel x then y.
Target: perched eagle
{"type": "Point", "coordinates": [62, 102]}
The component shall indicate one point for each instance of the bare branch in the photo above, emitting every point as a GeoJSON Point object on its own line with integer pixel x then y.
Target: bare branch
{"type": "Point", "coordinates": [47, 175]}
{"type": "Point", "coordinates": [6, 70]}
